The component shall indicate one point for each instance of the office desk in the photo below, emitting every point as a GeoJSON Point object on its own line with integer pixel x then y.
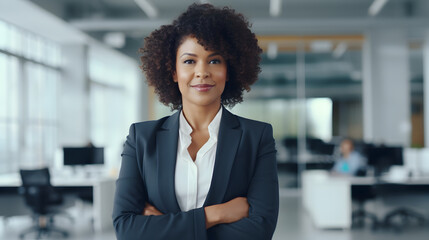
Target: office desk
{"type": "Point", "coordinates": [102, 188]}
{"type": "Point", "coordinates": [293, 168]}
{"type": "Point", "coordinates": [328, 201]}
{"type": "Point", "coordinates": [412, 181]}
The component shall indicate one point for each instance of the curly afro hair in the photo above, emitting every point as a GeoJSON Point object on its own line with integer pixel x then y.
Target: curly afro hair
{"type": "Point", "coordinates": [221, 30]}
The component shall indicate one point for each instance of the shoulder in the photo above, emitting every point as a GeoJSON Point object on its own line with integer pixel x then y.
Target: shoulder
{"type": "Point", "coordinates": [250, 128]}
{"type": "Point", "coordinates": [150, 127]}
{"type": "Point", "coordinates": [257, 135]}
{"type": "Point", "coordinates": [355, 155]}
{"type": "Point", "coordinates": [251, 124]}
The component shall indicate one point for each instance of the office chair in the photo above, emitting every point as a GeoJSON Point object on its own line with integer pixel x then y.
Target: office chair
{"type": "Point", "coordinates": [405, 216]}
{"type": "Point", "coordinates": [40, 196]}
{"type": "Point", "coordinates": [399, 217]}
{"type": "Point", "coordinates": [361, 194]}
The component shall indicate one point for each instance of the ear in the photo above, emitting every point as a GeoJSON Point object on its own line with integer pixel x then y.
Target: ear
{"type": "Point", "coordinates": [175, 77]}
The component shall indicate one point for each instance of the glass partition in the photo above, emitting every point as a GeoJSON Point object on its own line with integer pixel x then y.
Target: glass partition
{"type": "Point", "coordinates": [310, 90]}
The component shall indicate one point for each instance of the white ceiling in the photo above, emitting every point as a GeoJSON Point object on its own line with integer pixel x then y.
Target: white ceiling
{"type": "Point", "coordinates": [298, 17]}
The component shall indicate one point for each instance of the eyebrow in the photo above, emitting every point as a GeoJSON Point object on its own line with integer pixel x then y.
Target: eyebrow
{"type": "Point", "coordinates": [195, 55]}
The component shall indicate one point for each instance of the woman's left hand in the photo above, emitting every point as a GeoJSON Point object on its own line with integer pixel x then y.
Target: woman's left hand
{"type": "Point", "coordinates": [151, 210]}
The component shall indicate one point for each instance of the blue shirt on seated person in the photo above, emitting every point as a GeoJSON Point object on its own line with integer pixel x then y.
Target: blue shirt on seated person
{"type": "Point", "coordinates": [350, 161]}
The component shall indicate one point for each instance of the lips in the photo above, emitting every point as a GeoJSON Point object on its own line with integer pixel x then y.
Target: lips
{"type": "Point", "coordinates": [202, 87]}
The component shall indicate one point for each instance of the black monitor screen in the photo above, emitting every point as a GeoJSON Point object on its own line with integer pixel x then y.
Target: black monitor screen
{"type": "Point", "coordinates": [325, 149]}
{"type": "Point", "coordinates": [382, 158]}
{"type": "Point", "coordinates": [83, 155]}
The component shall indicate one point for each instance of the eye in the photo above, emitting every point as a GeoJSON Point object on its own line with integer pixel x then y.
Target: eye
{"type": "Point", "coordinates": [188, 61]}
{"type": "Point", "coordinates": [215, 61]}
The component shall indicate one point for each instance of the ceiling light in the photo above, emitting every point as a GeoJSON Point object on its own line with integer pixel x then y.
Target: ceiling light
{"type": "Point", "coordinates": [115, 39]}
{"type": "Point", "coordinates": [148, 8]}
{"type": "Point", "coordinates": [321, 46]}
{"type": "Point", "coordinates": [275, 8]}
{"type": "Point", "coordinates": [376, 7]}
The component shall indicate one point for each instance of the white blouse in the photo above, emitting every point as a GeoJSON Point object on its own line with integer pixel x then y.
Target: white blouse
{"type": "Point", "coordinates": [192, 179]}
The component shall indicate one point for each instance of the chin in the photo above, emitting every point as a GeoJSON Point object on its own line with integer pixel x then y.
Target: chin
{"type": "Point", "coordinates": [205, 102]}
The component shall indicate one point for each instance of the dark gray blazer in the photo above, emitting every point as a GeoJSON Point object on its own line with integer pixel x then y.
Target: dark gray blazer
{"type": "Point", "coordinates": [245, 166]}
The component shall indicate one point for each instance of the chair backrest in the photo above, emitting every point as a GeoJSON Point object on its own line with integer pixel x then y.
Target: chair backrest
{"type": "Point", "coordinates": [36, 177]}
{"type": "Point", "coordinates": [36, 188]}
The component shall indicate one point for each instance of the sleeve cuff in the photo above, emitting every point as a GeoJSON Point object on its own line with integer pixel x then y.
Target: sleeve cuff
{"type": "Point", "coordinates": [200, 224]}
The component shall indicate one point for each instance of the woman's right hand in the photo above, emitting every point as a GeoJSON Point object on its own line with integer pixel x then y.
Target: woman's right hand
{"type": "Point", "coordinates": [228, 212]}
{"type": "Point", "coordinates": [151, 210]}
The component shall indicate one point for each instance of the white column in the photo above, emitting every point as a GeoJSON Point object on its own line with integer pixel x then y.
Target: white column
{"type": "Point", "coordinates": [386, 88]}
{"type": "Point", "coordinates": [426, 87]}
{"type": "Point", "coordinates": [74, 97]}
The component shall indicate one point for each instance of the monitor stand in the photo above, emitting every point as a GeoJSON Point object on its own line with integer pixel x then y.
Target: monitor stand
{"type": "Point", "coordinates": [87, 171]}
{"type": "Point", "coordinates": [79, 171]}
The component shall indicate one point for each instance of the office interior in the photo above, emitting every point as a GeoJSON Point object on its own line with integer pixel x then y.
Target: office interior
{"type": "Point", "coordinates": [70, 81]}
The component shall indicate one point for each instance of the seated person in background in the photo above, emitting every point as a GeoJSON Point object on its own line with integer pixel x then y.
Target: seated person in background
{"type": "Point", "coordinates": [350, 161]}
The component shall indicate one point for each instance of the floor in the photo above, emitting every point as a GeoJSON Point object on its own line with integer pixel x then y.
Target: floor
{"type": "Point", "coordinates": [78, 230]}
{"type": "Point", "coordinates": [293, 223]}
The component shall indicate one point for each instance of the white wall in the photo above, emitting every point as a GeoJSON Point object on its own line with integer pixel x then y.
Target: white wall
{"type": "Point", "coordinates": [74, 97]}
{"type": "Point", "coordinates": [386, 87]}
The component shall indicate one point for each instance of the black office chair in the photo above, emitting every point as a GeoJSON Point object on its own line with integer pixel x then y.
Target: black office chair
{"type": "Point", "coordinates": [402, 217]}
{"type": "Point", "coordinates": [41, 198]}
{"type": "Point", "coordinates": [399, 217]}
{"type": "Point", "coordinates": [361, 194]}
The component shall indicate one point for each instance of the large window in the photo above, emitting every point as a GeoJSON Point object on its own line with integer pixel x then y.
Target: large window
{"type": "Point", "coordinates": [29, 79]}
{"type": "Point", "coordinates": [9, 111]}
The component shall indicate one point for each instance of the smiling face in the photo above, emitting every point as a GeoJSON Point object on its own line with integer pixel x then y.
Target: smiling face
{"type": "Point", "coordinates": [200, 74]}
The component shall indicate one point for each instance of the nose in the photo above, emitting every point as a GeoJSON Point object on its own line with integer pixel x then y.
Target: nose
{"type": "Point", "coordinates": [201, 71]}
{"type": "Point", "coordinates": [202, 75]}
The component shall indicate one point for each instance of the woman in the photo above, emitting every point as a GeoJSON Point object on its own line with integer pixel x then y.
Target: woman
{"type": "Point", "coordinates": [201, 173]}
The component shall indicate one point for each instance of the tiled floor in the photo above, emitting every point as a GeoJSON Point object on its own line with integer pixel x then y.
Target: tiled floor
{"type": "Point", "coordinates": [293, 223]}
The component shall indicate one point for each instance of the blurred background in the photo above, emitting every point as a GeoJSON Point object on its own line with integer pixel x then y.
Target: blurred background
{"type": "Point", "coordinates": [331, 69]}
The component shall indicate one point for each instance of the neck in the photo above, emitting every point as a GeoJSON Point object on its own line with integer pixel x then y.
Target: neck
{"type": "Point", "coordinates": [200, 117]}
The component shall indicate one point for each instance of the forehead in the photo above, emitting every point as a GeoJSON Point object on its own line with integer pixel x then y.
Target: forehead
{"type": "Point", "coordinates": [190, 44]}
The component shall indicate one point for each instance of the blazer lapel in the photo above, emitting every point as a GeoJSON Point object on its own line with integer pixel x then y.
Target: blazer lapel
{"type": "Point", "coordinates": [166, 147]}
{"type": "Point", "coordinates": [227, 145]}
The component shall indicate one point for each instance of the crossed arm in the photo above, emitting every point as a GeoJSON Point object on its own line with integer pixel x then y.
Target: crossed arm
{"type": "Point", "coordinates": [228, 212]}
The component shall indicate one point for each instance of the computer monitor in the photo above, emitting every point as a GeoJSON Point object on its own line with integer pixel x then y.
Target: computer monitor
{"type": "Point", "coordinates": [325, 149]}
{"type": "Point", "coordinates": [83, 155]}
{"type": "Point", "coordinates": [382, 158]}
